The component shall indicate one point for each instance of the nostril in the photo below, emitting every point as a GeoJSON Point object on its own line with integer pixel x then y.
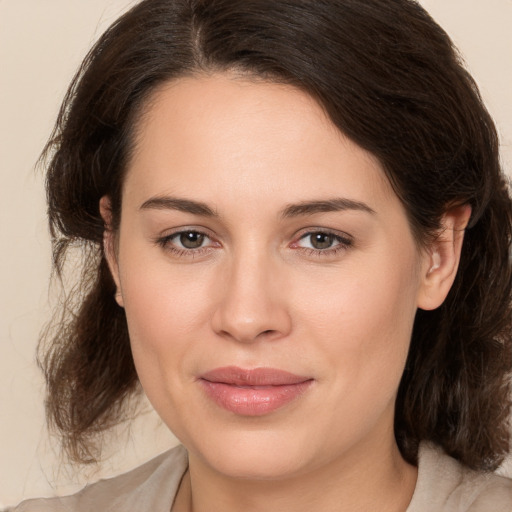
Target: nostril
{"type": "Point", "coordinates": [268, 334]}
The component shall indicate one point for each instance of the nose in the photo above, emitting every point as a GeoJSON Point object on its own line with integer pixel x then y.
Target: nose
{"type": "Point", "coordinates": [252, 303]}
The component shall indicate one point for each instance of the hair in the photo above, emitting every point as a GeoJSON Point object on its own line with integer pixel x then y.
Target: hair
{"type": "Point", "coordinates": [391, 80]}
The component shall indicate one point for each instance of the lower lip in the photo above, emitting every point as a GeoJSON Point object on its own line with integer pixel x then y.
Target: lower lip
{"type": "Point", "coordinates": [253, 400]}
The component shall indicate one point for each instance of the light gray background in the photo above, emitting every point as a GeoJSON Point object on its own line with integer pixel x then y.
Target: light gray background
{"type": "Point", "coordinates": [41, 44]}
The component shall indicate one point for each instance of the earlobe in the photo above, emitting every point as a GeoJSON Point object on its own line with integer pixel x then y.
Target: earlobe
{"type": "Point", "coordinates": [109, 246]}
{"type": "Point", "coordinates": [441, 258]}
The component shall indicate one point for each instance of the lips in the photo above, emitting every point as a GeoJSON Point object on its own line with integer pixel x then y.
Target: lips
{"type": "Point", "coordinates": [253, 392]}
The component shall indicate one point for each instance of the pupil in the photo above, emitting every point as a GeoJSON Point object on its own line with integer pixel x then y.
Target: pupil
{"type": "Point", "coordinates": [321, 241]}
{"type": "Point", "coordinates": [191, 240]}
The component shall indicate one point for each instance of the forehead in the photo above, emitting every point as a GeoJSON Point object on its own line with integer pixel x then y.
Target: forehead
{"type": "Point", "coordinates": [221, 136]}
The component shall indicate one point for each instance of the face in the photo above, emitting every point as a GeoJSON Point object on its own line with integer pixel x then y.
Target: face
{"type": "Point", "coordinates": [269, 276]}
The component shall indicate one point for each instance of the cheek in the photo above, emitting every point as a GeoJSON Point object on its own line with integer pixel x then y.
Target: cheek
{"type": "Point", "coordinates": [361, 325]}
{"type": "Point", "coordinates": [379, 298]}
{"type": "Point", "coordinates": [157, 310]}
{"type": "Point", "coordinates": [166, 307]}
{"type": "Point", "coordinates": [362, 320]}
{"type": "Point", "coordinates": [160, 297]}
{"type": "Point", "coordinates": [166, 324]}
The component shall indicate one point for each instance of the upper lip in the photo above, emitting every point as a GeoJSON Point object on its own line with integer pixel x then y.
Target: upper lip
{"type": "Point", "coordinates": [253, 377]}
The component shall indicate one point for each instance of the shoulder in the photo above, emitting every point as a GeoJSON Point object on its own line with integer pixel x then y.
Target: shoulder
{"type": "Point", "coordinates": [445, 485]}
{"type": "Point", "coordinates": [149, 487]}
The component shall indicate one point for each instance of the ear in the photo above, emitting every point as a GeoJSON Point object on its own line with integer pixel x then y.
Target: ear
{"type": "Point", "coordinates": [109, 246]}
{"type": "Point", "coordinates": [441, 258]}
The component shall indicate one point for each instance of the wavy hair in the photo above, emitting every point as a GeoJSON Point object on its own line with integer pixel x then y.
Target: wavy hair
{"type": "Point", "coordinates": [391, 80]}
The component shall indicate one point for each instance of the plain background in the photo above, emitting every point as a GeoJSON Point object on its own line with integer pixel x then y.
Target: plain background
{"type": "Point", "coordinates": [41, 44]}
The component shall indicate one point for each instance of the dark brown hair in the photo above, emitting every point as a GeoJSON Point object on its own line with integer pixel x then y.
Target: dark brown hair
{"type": "Point", "coordinates": [390, 79]}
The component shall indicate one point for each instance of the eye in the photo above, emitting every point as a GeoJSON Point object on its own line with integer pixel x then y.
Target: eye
{"type": "Point", "coordinates": [189, 239]}
{"type": "Point", "coordinates": [319, 241]}
{"type": "Point", "coordinates": [322, 243]}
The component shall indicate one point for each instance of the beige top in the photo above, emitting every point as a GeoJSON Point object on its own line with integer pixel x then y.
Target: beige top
{"type": "Point", "coordinates": [443, 486]}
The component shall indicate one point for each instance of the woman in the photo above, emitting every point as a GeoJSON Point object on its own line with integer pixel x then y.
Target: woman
{"type": "Point", "coordinates": [297, 236]}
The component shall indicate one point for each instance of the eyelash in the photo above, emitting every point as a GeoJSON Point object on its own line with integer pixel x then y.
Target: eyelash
{"type": "Point", "coordinates": [343, 243]}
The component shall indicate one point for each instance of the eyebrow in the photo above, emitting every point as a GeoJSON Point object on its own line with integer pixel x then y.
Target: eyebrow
{"type": "Point", "coordinates": [182, 205]}
{"type": "Point", "coordinates": [323, 206]}
{"type": "Point", "coordinates": [292, 210]}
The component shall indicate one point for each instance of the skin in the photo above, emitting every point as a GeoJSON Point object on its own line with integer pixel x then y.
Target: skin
{"type": "Point", "coordinates": [258, 293]}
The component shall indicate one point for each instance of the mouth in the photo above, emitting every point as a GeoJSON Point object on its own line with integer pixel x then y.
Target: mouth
{"type": "Point", "coordinates": [253, 392]}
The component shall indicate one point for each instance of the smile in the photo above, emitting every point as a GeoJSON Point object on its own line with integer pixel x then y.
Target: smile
{"type": "Point", "coordinates": [253, 392]}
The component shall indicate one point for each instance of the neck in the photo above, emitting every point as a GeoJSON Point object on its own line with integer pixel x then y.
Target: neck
{"type": "Point", "coordinates": [381, 480]}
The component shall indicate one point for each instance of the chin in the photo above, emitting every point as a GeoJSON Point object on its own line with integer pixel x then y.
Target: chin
{"type": "Point", "coordinates": [256, 454]}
